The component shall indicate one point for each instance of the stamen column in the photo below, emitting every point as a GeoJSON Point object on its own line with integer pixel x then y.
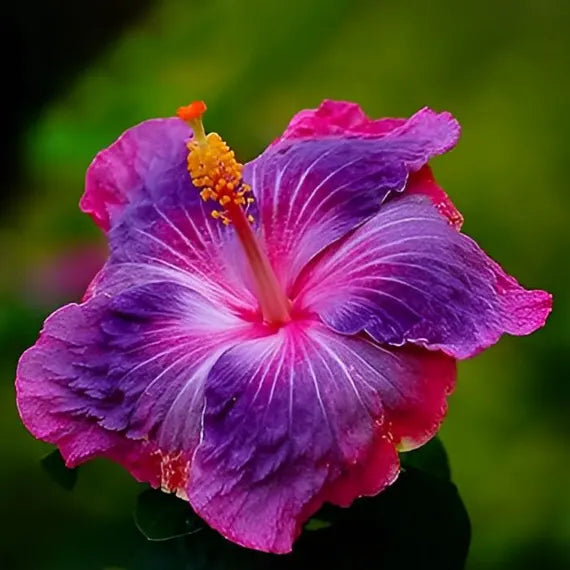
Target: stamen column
{"type": "Point", "coordinates": [214, 169]}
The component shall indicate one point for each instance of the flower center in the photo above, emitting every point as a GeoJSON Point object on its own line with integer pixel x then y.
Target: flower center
{"type": "Point", "coordinates": [215, 171]}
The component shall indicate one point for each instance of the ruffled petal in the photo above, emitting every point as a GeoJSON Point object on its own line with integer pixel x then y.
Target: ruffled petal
{"type": "Point", "coordinates": [123, 376]}
{"type": "Point", "coordinates": [305, 416]}
{"type": "Point", "coordinates": [408, 276]}
{"type": "Point", "coordinates": [141, 159]}
{"type": "Point", "coordinates": [345, 119]}
{"type": "Point", "coordinates": [336, 118]}
{"type": "Point", "coordinates": [312, 192]}
{"type": "Point", "coordinates": [158, 227]}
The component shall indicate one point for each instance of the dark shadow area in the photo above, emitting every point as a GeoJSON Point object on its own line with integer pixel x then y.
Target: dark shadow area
{"type": "Point", "coordinates": [47, 44]}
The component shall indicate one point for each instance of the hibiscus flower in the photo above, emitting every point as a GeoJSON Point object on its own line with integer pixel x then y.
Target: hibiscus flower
{"type": "Point", "coordinates": [265, 338]}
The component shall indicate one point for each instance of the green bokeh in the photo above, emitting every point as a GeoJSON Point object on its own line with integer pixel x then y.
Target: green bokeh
{"type": "Point", "coordinates": [500, 67]}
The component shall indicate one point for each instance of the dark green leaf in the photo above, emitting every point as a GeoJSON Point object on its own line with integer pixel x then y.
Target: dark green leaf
{"type": "Point", "coordinates": [317, 524]}
{"type": "Point", "coordinates": [55, 467]}
{"type": "Point", "coordinates": [430, 458]}
{"type": "Point", "coordinates": [418, 522]}
{"type": "Point", "coordinates": [160, 516]}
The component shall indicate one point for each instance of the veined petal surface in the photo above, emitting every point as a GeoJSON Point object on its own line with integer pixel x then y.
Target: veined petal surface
{"type": "Point", "coordinates": [158, 227]}
{"type": "Point", "coordinates": [312, 192]}
{"type": "Point", "coordinates": [126, 373]}
{"type": "Point", "coordinates": [408, 276]}
{"type": "Point", "coordinates": [346, 119]}
{"type": "Point", "coordinates": [304, 416]}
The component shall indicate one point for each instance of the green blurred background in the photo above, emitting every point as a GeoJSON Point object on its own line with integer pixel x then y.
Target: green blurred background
{"type": "Point", "coordinates": [502, 68]}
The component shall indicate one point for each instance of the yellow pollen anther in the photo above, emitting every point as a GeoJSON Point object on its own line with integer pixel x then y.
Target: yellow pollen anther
{"type": "Point", "coordinates": [213, 167]}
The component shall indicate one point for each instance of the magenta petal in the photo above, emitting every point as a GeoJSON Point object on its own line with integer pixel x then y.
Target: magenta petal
{"type": "Point", "coordinates": [423, 182]}
{"type": "Point", "coordinates": [122, 377]}
{"type": "Point", "coordinates": [42, 381]}
{"type": "Point", "coordinates": [305, 416]}
{"type": "Point", "coordinates": [40, 386]}
{"type": "Point", "coordinates": [345, 119]}
{"type": "Point", "coordinates": [340, 118]}
{"type": "Point", "coordinates": [118, 174]}
{"type": "Point", "coordinates": [408, 276]}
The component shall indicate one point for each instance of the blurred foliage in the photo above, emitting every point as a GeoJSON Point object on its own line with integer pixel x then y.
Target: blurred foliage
{"type": "Point", "coordinates": [55, 467]}
{"type": "Point", "coordinates": [161, 516]}
{"type": "Point", "coordinates": [418, 522]}
{"type": "Point", "coordinates": [500, 67]}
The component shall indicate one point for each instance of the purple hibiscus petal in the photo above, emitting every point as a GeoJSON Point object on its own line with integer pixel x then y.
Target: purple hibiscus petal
{"type": "Point", "coordinates": [143, 157]}
{"type": "Point", "coordinates": [345, 119]}
{"type": "Point", "coordinates": [43, 383]}
{"type": "Point", "coordinates": [122, 377]}
{"type": "Point", "coordinates": [312, 192]}
{"type": "Point", "coordinates": [408, 276]}
{"type": "Point", "coordinates": [305, 416]}
{"type": "Point", "coordinates": [140, 192]}
{"type": "Point", "coordinates": [176, 237]}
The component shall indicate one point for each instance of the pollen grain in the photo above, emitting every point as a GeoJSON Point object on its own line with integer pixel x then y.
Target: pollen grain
{"type": "Point", "coordinates": [213, 167]}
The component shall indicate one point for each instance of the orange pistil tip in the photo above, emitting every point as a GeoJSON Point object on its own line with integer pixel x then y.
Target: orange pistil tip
{"type": "Point", "coordinates": [214, 169]}
{"type": "Point", "coordinates": [193, 111]}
